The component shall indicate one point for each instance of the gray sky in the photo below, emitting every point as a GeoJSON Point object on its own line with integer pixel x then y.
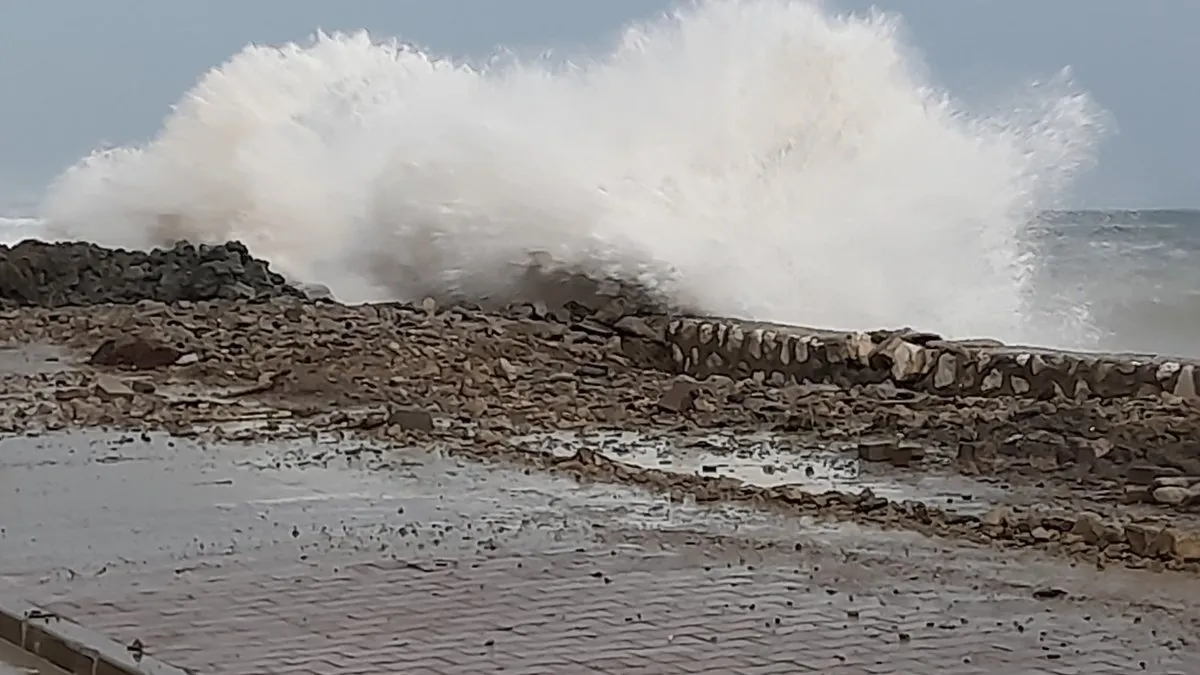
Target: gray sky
{"type": "Point", "coordinates": [77, 72]}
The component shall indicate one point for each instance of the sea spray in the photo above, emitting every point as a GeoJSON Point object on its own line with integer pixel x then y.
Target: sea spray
{"type": "Point", "coordinates": [755, 158]}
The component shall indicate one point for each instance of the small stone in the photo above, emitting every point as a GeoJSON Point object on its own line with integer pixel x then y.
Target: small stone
{"type": "Point", "coordinates": [1183, 545]}
{"type": "Point", "coordinates": [1137, 494]}
{"type": "Point", "coordinates": [997, 516]}
{"type": "Point", "coordinates": [946, 371]}
{"type": "Point", "coordinates": [876, 450]}
{"type": "Point", "coordinates": [1099, 447]}
{"type": "Point", "coordinates": [1056, 522]}
{"type": "Point", "coordinates": [488, 437]}
{"type": "Point", "coordinates": [1042, 534]}
{"type": "Point", "coordinates": [592, 370]}
{"type": "Point", "coordinates": [636, 326]}
{"type": "Point", "coordinates": [679, 397]}
{"type": "Point", "coordinates": [506, 368]}
{"type": "Point", "coordinates": [188, 359]}
{"type": "Point", "coordinates": [411, 419]}
{"type": "Point", "coordinates": [1176, 481]}
{"type": "Point", "coordinates": [1090, 527]}
{"type": "Point", "coordinates": [71, 393]}
{"type": "Point", "coordinates": [907, 452]}
{"type": "Point", "coordinates": [1146, 540]}
{"type": "Point", "coordinates": [965, 460]}
{"type": "Point", "coordinates": [901, 456]}
{"type": "Point", "coordinates": [1146, 474]}
{"type": "Point", "coordinates": [1172, 496]}
{"type": "Point", "coordinates": [110, 387]}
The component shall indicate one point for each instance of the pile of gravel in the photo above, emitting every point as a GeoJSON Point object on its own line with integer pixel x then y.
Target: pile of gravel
{"type": "Point", "coordinates": [40, 274]}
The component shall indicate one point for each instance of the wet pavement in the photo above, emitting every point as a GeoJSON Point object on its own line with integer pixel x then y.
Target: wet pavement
{"type": "Point", "coordinates": [766, 460]}
{"type": "Point", "coordinates": [342, 557]}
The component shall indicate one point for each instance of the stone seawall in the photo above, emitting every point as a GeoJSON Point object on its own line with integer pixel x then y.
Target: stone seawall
{"type": "Point", "coordinates": [917, 361]}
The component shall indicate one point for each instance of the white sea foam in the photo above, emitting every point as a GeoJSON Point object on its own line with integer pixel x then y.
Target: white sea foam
{"type": "Point", "coordinates": [16, 229]}
{"type": "Point", "coordinates": [759, 158]}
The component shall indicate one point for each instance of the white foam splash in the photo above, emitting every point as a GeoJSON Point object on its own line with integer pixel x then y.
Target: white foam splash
{"type": "Point", "coordinates": [15, 230]}
{"type": "Point", "coordinates": [757, 158]}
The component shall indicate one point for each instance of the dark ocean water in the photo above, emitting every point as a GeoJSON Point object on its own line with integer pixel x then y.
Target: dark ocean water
{"type": "Point", "coordinates": [1137, 273]}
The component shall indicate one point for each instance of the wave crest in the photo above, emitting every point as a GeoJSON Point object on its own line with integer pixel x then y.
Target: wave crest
{"type": "Point", "coordinates": [764, 159]}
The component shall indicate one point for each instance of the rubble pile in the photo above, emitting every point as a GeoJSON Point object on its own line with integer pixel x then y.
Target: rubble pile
{"type": "Point", "coordinates": [41, 274]}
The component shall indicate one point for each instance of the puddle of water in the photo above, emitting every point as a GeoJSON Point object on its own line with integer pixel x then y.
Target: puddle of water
{"type": "Point", "coordinates": [82, 503]}
{"type": "Point", "coordinates": [769, 460]}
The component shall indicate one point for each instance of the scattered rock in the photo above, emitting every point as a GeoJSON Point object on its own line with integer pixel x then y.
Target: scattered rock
{"type": "Point", "coordinates": [878, 450]}
{"type": "Point", "coordinates": [1173, 496]}
{"type": "Point", "coordinates": [1185, 545]}
{"type": "Point", "coordinates": [506, 368]}
{"type": "Point", "coordinates": [488, 370]}
{"type": "Point", "coordinates": [1138, 494]}
{"type": "Point", "coordinates": [137, 353]}
{"type": "Point", "coordinates": [1147, 474]}
{"type": "Point", "coordinates": [1042, 534]}
{"type": "Point", "coordinates": [1176, 481]}
{"type": "Point", "coordinates": [71, 393]}
{"type": "Point", "coordinates": [965, 460]}
{"type": "Point", "coordinates": [636, 326]}
{"type": "Point", "coordinates": [411, 419]}
{"type": "Point", "coordinates": [897, 453]}
{"type": "Point", "coordinates": [110, 387]}
{"type": "Point", "coordinates": [1049, 593]}
{"type": "Point", "coordinates": [679, 397]}
{"type": "Point", "coordinates": [1091, 528]}
{"type": "Point", "coordinates": [1140, 538]}
{"type": "Point", "coordinates": [998, 516]}
{"type": "Point", "coordinates": [1147, 540]}
{"type": "Point", "coordinates": [264, 382]}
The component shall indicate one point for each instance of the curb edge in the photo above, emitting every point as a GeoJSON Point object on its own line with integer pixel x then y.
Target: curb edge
{"type": "Point", "coordinates": [70, 646]}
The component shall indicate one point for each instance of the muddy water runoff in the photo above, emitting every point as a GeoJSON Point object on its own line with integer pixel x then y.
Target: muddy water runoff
{"type": "Point", "coordinates": [768, 460]}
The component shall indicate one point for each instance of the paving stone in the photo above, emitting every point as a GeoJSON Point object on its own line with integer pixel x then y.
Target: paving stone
{"type": "Point", "coordinates": [604, 611]}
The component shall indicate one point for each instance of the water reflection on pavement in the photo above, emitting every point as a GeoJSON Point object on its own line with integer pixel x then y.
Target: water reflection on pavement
{"type": "Point", "coordinates": [306, 557]}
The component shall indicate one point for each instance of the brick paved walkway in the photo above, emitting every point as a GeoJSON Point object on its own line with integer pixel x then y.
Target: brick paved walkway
{"type": "Point", "coordinates": [602, 589]}
{"type": "Point", "coordinates": [616, 612]}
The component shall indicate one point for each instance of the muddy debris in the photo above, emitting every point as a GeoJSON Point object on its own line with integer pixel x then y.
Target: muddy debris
{"type": "Point", "coordinates": [1080, 535]}
{"type": "Point", "coordinates": [466, 361]}
{"type": "Point", "coordinates": [475, 379]}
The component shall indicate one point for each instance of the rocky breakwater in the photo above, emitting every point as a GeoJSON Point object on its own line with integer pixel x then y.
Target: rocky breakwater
{"type": "Point", "coordinates": [919, 361]}
{"type": "Point", "coordinates": [41, 274]}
